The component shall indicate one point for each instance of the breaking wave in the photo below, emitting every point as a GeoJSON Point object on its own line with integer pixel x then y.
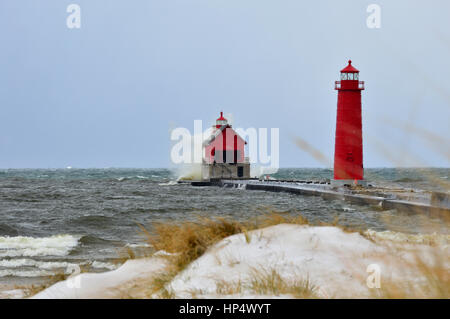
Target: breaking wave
{"type": "Point", "coordinates": [25, 273]}
{"type": "Point", "coordinates": [169, 183]}
{"type": "Point", "coordinates": [59, 245]}
{"type": "Point", "coordinates": [47, 265]}
{"type": "Point", "coordinates": [18, 267]}
{"type": "Point", "coordinates": [103, 265]}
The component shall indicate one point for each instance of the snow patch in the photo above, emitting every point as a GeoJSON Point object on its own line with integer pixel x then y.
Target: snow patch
{"type": "Point", "coordinates": [332, 260]}
{"type": "Point", "coordinates": [103, 285]}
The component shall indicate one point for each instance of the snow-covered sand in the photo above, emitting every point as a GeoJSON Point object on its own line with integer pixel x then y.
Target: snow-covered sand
{"type": "Point", "coordinates": [111, 284]}
{"type": "Point", "coordinates": [334, 261]}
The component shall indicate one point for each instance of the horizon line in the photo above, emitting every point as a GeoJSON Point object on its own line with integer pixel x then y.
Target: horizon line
{"type": "Point", "coordinates": [170, 168]}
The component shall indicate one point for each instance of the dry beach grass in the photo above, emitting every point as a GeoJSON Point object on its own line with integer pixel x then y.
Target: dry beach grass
{"type": "Point", "coordinates": [184, 243]}
{"type": "Point", "coordinates": [187, 241]}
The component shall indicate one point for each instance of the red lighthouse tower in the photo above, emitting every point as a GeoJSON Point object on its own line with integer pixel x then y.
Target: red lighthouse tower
{"type": "Point", "coordinates": [348, 153]}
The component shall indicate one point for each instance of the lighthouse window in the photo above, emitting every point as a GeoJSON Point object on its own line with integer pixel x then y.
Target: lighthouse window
{"type": "Point", "coordinates": [356, 76]}
{"type": "Point", "coordinates": [350, 76]}
{"type": "Point", "coordinates": [343, 76]}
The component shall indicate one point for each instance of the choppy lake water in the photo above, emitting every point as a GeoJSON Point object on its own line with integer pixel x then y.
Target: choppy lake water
{"type": "Point", "coordinates": [52, 219]}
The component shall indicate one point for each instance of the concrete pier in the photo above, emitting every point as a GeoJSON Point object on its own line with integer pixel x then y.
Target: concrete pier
{"type": "Point", "coordinates": [383, 198]}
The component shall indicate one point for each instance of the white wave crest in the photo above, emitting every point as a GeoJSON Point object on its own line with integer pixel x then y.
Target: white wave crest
{"type": "Point", "coordinates": [103, 265]}
{"type": "Point", "coordinates": [59, 245]}
{"type": "Point", "coordinates": [44, 268]}
{"type": "Point", "coordinates": [25, 273]}
{"type": "Point", "coordinates": [16, 263]}
{"type": "Point", "coordinates": [170, 183]}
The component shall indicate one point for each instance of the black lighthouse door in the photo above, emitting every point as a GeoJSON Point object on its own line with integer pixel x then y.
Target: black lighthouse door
{"type": "Point", "coordinates": [240, 171]}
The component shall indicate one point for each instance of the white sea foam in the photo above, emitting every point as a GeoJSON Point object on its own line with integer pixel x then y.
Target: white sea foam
{"type": "Point", "coordinates": [25, 273]}
{"type": "Point", "coordinates": [103, 265]}
{"type": "Point", "coordinates": [16, 263]}
{"type": "Point", "coordinates": [160, 253]}
{"type": "Point", "coordinates": [169, 183]}
{"type": "Point", "coordinates": [59, 245]}
{"type": "Point", "coordinates": [189, 171]}
{"type": "Point", "coordinates": [14, 267]}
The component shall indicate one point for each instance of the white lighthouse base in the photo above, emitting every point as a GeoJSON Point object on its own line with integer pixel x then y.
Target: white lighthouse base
{"type": "Point", "coordinates": [349, 182]}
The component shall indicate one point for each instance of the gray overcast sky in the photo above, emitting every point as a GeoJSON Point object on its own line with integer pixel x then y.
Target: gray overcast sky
{"type": "Point", "coordinates": [107, 94]}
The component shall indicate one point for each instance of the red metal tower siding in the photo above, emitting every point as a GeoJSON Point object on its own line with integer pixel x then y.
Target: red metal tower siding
{"type": "Point", "coordinates": [228, 140]}
{"type": "Point", "coordinates": [348, 155]}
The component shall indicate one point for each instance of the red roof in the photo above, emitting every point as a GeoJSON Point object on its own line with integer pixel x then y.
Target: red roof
{"type": "Point", "coordinates": [349, 67]}
{"type": "Point", "coordinates": [216, 133]}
